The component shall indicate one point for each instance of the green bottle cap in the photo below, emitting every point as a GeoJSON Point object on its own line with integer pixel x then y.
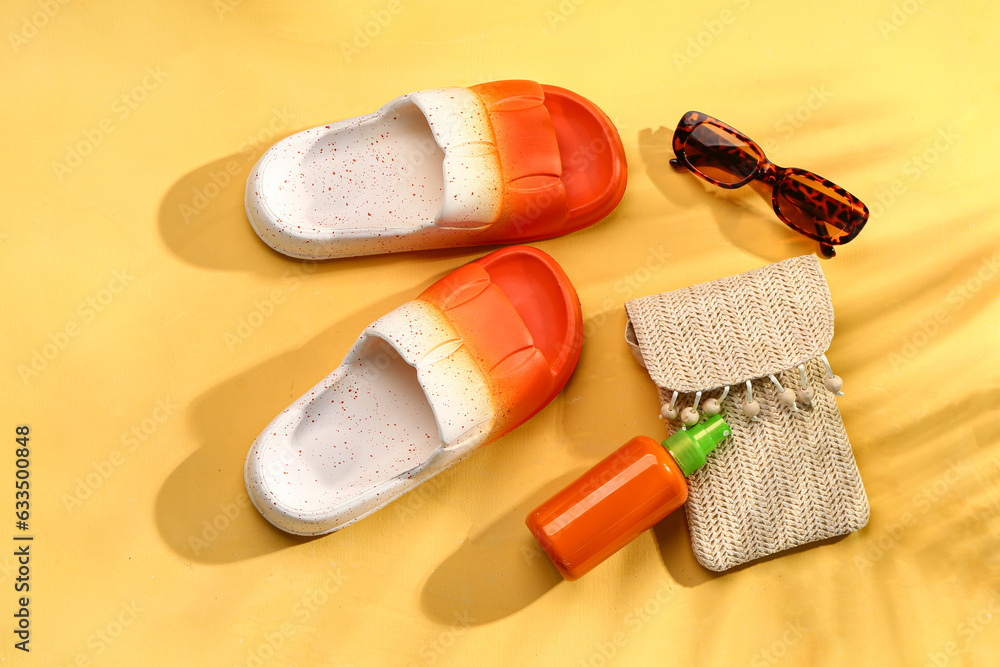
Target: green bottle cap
{"type": "Point", "coordinates": [689, 448]}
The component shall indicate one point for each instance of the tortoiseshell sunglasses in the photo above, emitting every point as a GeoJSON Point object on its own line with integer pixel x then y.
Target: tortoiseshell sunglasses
{"type": "Point", "coordinates": [807, 203]}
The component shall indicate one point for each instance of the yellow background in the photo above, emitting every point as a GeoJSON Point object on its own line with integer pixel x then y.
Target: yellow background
{"type": "Point", "coordinates": [132, 276]}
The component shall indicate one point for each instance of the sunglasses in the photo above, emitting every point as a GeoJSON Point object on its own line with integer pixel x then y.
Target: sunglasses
{"type": "Point", "coordinates": [809, 204]}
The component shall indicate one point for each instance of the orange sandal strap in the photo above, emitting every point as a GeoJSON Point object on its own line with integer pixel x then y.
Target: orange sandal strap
{"type": "Point", "coordinates": [534, 194]}
{"type": "Point", "coordinates": [497, 338]}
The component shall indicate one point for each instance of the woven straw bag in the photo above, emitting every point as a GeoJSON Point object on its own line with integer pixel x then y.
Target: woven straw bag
{"type": "Point", "coordinates": [753, 346]}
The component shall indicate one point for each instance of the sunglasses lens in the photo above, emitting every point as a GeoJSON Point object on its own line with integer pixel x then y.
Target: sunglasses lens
{"type": "Point", "coordinates": [719, 155]}
{"type": "Point", "coordinates": [819, 208]}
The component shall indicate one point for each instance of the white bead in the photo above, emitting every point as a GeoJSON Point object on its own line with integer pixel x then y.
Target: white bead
{"type": "Point", "coordinates": [689, 416]}
{"type": "Point", "coordinates": [834, 384]}
{"type": "Point", "coordinates": [712, 407]}
{"type": "Point", "coordinates": [804, 396]}
{"type": "Point", "coordinates": [787, 398]}
{"type": "Point", "coordinates": [668, 412]}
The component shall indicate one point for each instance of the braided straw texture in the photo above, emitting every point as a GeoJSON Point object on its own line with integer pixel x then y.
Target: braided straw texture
{"type": "Point", "coordinates": [789, 479]}
{"type": "Point", "coordinates": [733, 329]}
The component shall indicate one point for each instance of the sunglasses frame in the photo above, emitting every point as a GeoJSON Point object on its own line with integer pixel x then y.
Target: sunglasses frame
{"type": "Point", "coordinates": [765, 171]}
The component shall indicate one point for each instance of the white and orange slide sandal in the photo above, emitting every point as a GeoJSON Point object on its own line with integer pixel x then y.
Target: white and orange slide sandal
{"type": "Point", "coordinates": [503, 162]}
{"type": "Point", "coordinates": [475, 355]}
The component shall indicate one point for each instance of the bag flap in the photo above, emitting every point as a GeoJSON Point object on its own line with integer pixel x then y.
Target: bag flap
{"type": "Point", "coordinates": [734, 329]}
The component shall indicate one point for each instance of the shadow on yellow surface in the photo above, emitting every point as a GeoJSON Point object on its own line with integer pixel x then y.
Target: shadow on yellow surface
{"type": "Point", "coordinates": [948, 510]}
{"type": "Point", "coordinates": [589, 429]}
{"type": "Point", "coordinates": [203, 221]}
{"type": "Point", "coordinates": [917, 288]}
{"type": "Point", "coordinates": [674, 544]}
{"type": "Point", "coordinates": [203, 511]}
{"type": "Point", "coordinates": [498, 572]}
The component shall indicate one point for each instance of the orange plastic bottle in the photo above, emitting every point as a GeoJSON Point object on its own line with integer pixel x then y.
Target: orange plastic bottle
{"type": "Point", "coordinates": [621, 497]}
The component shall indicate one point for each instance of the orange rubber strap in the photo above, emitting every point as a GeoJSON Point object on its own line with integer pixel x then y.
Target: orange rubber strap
{"type": "Point", "coordinates": [518, 373]}
{"type": "Point", "coordinates": [534, 193]}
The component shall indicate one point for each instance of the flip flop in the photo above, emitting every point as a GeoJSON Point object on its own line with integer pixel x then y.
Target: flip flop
{"type": "Point", "coordinates": [474, 356]}
{"type": "Point", "coordinates": [502, 162]}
